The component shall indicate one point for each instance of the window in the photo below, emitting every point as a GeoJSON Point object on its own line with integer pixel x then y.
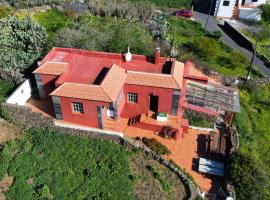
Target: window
{"type": "Point", "coordinates": [132, 97]}
{"type": "Point", "coordinates": [77, 107]}
{"type": "Point", "coordinates": [254, 0]}
{"type": "Point", "coordinates": [226, 3]}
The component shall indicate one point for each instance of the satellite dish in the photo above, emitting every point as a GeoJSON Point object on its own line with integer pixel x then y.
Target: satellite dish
{"type": "Point", "coordinates": [128, 56]}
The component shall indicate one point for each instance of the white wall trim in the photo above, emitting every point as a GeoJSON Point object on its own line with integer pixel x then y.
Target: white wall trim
{"type": "Point", "coordinates": [61, 124]}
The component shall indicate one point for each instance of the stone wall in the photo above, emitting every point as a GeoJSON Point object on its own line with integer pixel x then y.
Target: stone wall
{"type": "Point", "coordinates": [25, 118]}
{"type": "Point", "coordinates": [234, 146]}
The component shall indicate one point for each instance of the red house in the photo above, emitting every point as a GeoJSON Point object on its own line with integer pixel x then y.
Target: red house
{"type": "Point", "coordinates": [87, 86]}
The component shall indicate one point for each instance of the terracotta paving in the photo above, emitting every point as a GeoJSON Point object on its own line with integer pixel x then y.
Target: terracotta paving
{"type": "Point", "coordinates": [184, 151]}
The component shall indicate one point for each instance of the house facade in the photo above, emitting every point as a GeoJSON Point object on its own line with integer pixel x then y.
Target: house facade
{"type": "Point", "coordinates": [88, 87]}
{"type": "Point", "coordinates": [239, 9]}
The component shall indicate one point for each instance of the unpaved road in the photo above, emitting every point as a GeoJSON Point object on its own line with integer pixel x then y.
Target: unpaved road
{"type": "Point", "coordinates": [8, 131]}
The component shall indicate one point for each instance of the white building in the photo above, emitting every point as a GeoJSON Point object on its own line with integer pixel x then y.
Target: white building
{"type": "Point", "coordinates": [239, 9]}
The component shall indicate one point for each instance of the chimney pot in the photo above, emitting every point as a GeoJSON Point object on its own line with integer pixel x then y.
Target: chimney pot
{"type": "Point", "coordinates": [157, 55]}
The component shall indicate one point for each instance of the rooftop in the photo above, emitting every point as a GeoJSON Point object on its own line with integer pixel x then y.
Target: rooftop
{"type": "Point", "coordinates": [86, 65]}
{"type": "Point", "coordinates": [103, 74]}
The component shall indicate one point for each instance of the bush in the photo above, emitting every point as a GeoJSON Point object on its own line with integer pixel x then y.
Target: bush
{"type": "Point", "coordinates": [249, 177]}
{"type": "Point", "coordinates": [170, 3]}
{"type": "Point", "coordinates": [217, 34]}
{"type": "Point", "coordinates": [156, 146]}
{"type": "Point", "coordinates": [5, 10]}
{"type": "Point", "coordinates": [106, 34]}
{"type": "Point", "coordinates": [122, 8]}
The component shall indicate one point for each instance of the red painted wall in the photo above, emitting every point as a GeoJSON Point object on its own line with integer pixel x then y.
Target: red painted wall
{"type": "Point", "coordinates": [142, 107]}
{"type": "Point", "coordinates": [88, 118]}
{"type": "Point", "coordinates": [46, 80]}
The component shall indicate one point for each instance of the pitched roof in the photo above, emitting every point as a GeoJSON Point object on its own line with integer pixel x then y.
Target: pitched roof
{"type": "Point", "coordinates": [151, 79]}
{"type": "Point", "coordinates": [114, 81]}
{"type": "Point", "coordinates": [52, 68]}
{"type": "Point", "coordinates": [107, 91]}
{"type": "Point", "coordinates": [178, 72]}
{"type": "Point", "coordinates": [81, 91]}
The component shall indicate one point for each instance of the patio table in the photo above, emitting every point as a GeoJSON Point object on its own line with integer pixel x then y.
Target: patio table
{"type": "Point", "coordinates": [211, 163]}
{"type": "Point", "coordinates": [210, 170]}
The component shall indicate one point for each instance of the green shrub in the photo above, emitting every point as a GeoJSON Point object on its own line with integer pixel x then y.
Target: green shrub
{"type": "Point", "coordinates": [4, 88]}
{"type": "Point", "coordinates": [106, 34]}
{"type": "Point", "coordinates": [249, 177]}
{"type": "Point", "coordinates": [123, 9]}
{"type": "Point", "coordinates": [170, 3]}
{"type": "Point", "coordinates": [217, 34]}
{"type": "Point", "coordinates": [5, 10]}
{"type": "Point", "coordinates": [156, 146]}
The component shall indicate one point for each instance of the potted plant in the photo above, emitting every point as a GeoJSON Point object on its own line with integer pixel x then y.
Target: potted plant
{"type": "Point", "coordinates": [162, 116]}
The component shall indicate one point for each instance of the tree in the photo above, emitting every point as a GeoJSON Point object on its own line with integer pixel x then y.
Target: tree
{"type": "Point", "coordinates": [17, 45]}
{"type": "Point", "coordinates": [265, 8]}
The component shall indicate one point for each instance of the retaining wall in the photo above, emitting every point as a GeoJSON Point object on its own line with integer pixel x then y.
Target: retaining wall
{"type": "Point", "coordinates": [25, 118]}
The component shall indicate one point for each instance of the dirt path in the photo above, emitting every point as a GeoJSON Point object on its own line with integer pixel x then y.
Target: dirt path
{"type": "Point", "coordinates": [8, 131]}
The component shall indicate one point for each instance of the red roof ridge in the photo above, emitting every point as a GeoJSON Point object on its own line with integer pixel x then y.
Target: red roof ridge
{"type": "Point", "coordinates": [149, 73]}
{"type": "Point", "coordinates": [114, 81]}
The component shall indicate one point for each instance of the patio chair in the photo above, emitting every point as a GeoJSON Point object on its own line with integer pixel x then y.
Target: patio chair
{"type": "Point", "coordinates": [166, 132]}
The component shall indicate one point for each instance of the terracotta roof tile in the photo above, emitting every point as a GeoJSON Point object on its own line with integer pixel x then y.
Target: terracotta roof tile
{"type": "Point", "coordinates": [178, 72]}
{"type": "Point", "coordinates": [53, 68]}
{"type": "Point", "coordinates": [80, 91]}
{"type": "Point", "coordinates": [114, 81]}
{"type": "Point", "coordinates": [151, 79]}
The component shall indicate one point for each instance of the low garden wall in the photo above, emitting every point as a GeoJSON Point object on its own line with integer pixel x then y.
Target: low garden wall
{"type": "Point", "coordinates": [25, 118]}
{"type": "Point", "coordinates": [234, 146]}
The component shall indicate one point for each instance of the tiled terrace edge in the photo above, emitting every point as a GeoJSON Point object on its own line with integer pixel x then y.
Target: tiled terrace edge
{"type": "Point", "coordinates": [25, 118]}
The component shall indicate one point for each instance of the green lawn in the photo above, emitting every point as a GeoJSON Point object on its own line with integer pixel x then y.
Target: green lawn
{"type": "Point", "coordinates": [204, 49]}
{"type": "Point", "coordinates": [251, 166]}
{"type": "Point", "coordinates": [46, 165]}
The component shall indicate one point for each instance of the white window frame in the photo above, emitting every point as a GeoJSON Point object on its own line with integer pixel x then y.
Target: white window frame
{"type": "Point", "coordinates": [77, 107]}
{"type": "Point", "coordinates": [132, 97]}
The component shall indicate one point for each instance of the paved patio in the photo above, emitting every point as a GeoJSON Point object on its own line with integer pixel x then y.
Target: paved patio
{"type": "Point", "coordinates": [185, 151]}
